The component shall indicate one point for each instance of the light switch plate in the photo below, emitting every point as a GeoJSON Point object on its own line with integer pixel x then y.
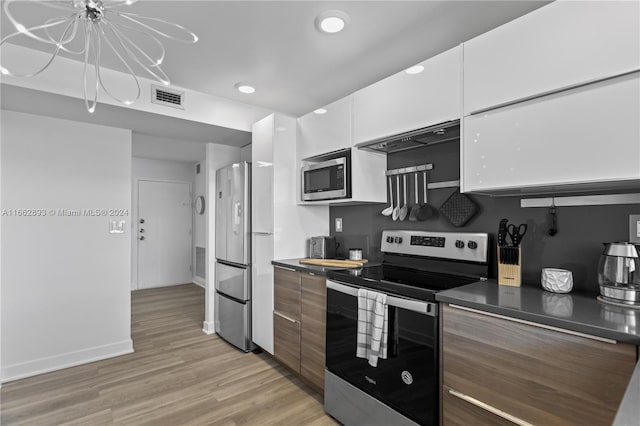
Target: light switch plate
{"type": "Point", "coordinates": [338, 224]}
{"type": "Point", "coordinates": [634, 228]}
{"type": "Point", "coordinates": [116, 226]}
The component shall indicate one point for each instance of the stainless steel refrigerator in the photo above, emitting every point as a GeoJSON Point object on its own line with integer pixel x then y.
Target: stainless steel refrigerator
{"type": "Point", "coordinates": [233, 255]}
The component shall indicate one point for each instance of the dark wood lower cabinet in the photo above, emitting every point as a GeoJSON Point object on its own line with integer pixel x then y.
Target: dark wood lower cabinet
{"type": "Point", "coordinates": [532, 374]}
{"type": "Point", "coordinates": [461, 412]}
{"type": "Point", "coordinates": [299, 322]}
{"type": "Point", "coordinates": [313, 328]}
{"type": "Point", "coordinates": [286, 292]}
{"type": "Point", "coordinates": [286, 341]}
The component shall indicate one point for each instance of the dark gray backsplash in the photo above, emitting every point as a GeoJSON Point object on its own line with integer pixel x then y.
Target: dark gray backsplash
{"type": "Point", "coordinates": [577, 245]}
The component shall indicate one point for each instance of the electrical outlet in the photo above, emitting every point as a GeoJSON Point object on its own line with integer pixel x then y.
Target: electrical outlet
{"type": "Point", "coordinates": [338, 224]}
{"type": "Point", "coordinates": [634, 228]}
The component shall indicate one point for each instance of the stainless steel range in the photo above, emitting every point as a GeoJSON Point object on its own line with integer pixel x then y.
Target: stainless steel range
{"type": "Point", "coordinates": [403, 388]}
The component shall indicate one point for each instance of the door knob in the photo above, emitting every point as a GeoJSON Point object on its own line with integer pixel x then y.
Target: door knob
{"type": "Point", "coordinates": [141, 220]}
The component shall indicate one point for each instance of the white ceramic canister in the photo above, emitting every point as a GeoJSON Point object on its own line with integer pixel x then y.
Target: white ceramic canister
{"type": "Point", "coordinates": [355, 254]}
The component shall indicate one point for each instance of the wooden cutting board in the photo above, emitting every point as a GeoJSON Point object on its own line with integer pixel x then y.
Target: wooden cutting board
{"type": "Point", "coordinates": [334, 263]}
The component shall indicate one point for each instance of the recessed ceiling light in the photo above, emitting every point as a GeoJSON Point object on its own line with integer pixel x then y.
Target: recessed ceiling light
{"type": "Point", "coordinates": [332, 21]}
{"type": "Point", "coordinates": [320, 111]}
{"type": "Point", "coordinates": [416, 69]}
{"type": "Point", "coordinates": [245, 88]}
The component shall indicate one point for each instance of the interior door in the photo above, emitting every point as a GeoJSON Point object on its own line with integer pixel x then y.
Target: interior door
{"type": "Point", "coordinates": [164, 233]}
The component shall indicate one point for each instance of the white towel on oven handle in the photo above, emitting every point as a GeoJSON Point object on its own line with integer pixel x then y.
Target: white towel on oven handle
{"type": "Point", "coordinates": [373, 319]}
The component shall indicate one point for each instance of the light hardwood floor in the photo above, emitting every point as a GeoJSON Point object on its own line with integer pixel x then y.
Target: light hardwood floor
{"type": "Point", "coordinates": [177, 376]}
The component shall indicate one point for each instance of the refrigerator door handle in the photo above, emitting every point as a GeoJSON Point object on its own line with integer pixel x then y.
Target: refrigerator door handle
{"type": "Point", "coordinates": [237, 215]}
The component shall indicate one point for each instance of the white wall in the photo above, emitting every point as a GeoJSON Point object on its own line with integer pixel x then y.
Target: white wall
{"type": "Point", "coordinates": [148, 169]}
{"type": "Point", "coordinates": [159, 148]}
{"type": "Point", "coordinates": [245, 153]}
{"type": "Point", "coordinates": [217, 156]}
{"type": "Point", "coordinates": [65, 279]}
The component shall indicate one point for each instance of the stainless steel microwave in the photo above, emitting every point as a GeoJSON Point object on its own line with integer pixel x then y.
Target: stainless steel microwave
{"type": "Point", "coordinates": [327, 180]}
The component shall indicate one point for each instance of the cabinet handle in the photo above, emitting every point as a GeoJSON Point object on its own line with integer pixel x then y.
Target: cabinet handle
{"type": "Point", "coordinates": [285, 317]}
{"type": "Point", "coordinates": [311, 273]}
{"type": "Point", "coordinates": [535, 324]}
{"type": "Point", "coordinates": [285, 268]}
{"type": "Point", "coordinates": [489, 408]}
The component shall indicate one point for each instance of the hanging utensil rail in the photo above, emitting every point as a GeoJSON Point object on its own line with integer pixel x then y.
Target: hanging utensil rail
{"type": "Point", "coordinates": [423, 168]}
{"type": "Point", "coordinates": [413, 169]}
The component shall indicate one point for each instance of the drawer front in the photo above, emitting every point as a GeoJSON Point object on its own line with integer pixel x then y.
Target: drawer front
{"type": "Point", "coordinates": [540, 376]}
{"type": "Point", "coordinates": [459, 412]}
{"type": "Point", "coordinates": [286, 292]}
{"type": "Point", "coordinates": [233, 281]}
{"type": "Point", "coordinates": [286, 341]}
{"type": "Point", "coordinates": [313, 332]}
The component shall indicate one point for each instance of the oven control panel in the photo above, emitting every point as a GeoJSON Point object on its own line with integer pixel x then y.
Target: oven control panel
{"type": "Point", "coordinates": [421, 240]}
{"type": "Point", "coordinates": [467, 246]}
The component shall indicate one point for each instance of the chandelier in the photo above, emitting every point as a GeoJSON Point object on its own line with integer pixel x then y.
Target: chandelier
{"type": "Point", "coordinates": [87, 27]}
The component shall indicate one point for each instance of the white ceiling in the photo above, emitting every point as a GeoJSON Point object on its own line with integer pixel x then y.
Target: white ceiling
{"type": "Point", "coordinates": [275, 46]}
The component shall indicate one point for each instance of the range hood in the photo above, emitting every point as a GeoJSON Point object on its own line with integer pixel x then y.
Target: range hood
{"type": "Point", "coordinates": [443, 132]}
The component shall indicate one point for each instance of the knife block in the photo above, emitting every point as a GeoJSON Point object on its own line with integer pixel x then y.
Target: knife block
{"type": "Point", "coordinates": [510, 274]}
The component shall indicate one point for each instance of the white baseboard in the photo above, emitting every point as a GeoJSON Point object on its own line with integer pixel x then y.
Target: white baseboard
{"type": "Point", "coordinates": [199, 281]}
{"type": "Point", "coordinates": [59, 362]}
{"type": "Point", "coordinates": [209, 327]}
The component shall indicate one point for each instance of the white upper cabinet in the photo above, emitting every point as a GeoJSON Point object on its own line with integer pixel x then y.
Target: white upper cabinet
{"type": "Point", "coordinates": [558, 46]}
{"type": "Point", "coordinates": [586, 138]}
{"type": "Point", "coordinates": [322, 133]}
{"type": "Point", "coordinates": [262, 174]}
{"type": "Point", "coordinates": [404, 102]}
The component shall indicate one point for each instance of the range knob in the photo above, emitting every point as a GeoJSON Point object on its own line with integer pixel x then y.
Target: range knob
{"type": "Point", "coordinates": [459, 244]}
{"type": "Point", "coordinates": [390, 240]}
{"type": "Point", "coordinates": [399, 240]}
{"type": "Point", "coordinates": [472, 245]}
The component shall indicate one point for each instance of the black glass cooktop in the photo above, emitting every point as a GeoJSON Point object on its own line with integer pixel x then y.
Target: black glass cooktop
{"type": "Point", "coordinates": [403, 281]}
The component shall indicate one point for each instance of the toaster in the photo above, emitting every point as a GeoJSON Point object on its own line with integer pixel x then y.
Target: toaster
{"type": "Point", "coordinates": [322, 247]}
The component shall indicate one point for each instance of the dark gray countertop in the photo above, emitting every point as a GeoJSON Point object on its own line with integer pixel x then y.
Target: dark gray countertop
{"type": "Point", "coordinates": [573, 311]}
{"type": "Point", "coordinates": [295, 264]}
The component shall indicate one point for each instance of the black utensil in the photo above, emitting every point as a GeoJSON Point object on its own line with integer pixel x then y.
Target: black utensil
{"type": "Point", "coordinates": [553, 221]}
{"type": "Point", "coordinates": [502, 235]}
{"type": "Point", "coordinates": [516, 233]}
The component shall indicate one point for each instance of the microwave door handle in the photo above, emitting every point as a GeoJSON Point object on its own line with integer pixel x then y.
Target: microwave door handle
{"type": "Point", "coordinates": [426, 308]}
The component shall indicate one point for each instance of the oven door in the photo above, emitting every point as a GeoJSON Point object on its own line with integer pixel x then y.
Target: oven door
{"type": "Point", "coordinates": [407, 380]}
{"type": "Point", "coordinates": [326, 180]}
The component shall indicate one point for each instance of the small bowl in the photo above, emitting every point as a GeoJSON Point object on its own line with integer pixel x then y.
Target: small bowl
{"type": "Point", "coordinates": [557, 280]}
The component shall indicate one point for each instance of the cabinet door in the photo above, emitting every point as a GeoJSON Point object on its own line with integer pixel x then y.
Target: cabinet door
{"type": "Point", "coordinates": [262, 291]}
{"type": "Point", "coordinates": [286, 341]}
{"type": "Point", "coordinates": [461, 412]}
{"type": "Point", "coordinates": [559, 45]}
{"type": "Point", "coordinates": [286, 292]}
{"type": "Point", "coordinates": [405, 102]}
{"type": "Point", "coordinates": [323, 133]}
{"type": "Point", "coordinates": [540, 376]}
{"type": "Point", "coordinates": [262, 175]}
{"type": "Point", "coordinates": [313, 328]}
{"type": "Point", "coordinates": [587, 136]}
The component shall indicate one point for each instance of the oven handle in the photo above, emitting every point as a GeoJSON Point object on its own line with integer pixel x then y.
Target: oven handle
{"type": "Point", "coordinates": [426, 308]}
